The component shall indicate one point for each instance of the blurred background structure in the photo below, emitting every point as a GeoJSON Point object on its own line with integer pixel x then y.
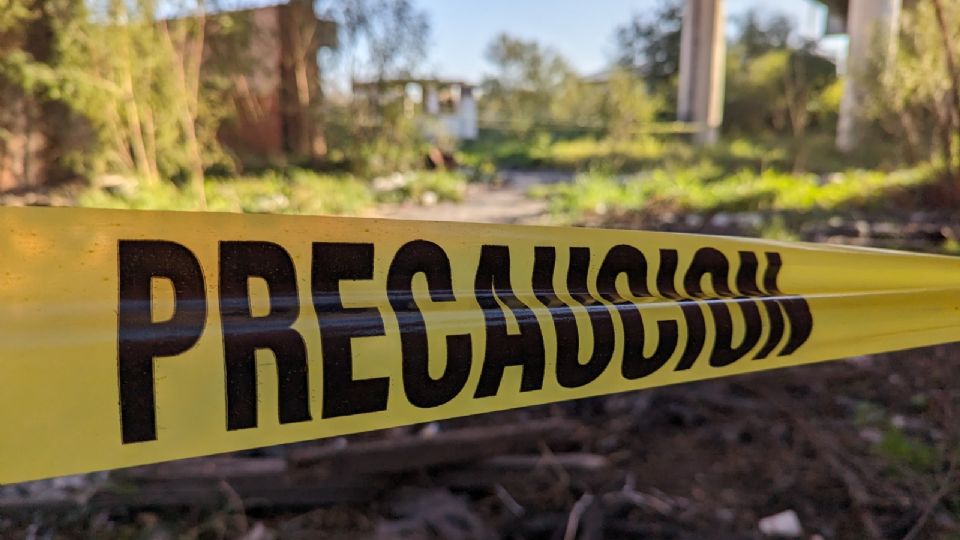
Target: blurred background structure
{"type": "Point", "coordinates": [256, 96]}
{"type": "Point", "coordinates": [828, 121]}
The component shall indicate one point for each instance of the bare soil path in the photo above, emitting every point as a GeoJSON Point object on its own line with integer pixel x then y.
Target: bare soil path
{"type": "Point", "coordinates": [485, 203]}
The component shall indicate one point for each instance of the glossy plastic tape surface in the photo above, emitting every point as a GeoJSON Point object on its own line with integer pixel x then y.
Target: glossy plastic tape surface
{"type": "Point", "coordinates": [136, 337]}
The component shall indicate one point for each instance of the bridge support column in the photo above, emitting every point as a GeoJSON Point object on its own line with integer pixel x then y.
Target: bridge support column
{"type": "Point", "coordinates": [703, 52]}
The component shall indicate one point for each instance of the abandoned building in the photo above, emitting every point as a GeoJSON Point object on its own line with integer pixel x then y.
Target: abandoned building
{"type": "Point", "coordinates": [278, 97]}
{"type": "Point", "coordinates": [444, 108]}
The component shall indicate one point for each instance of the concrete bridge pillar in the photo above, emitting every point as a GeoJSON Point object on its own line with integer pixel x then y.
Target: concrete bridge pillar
{"type": "Point", "coordinates": [703, 52]}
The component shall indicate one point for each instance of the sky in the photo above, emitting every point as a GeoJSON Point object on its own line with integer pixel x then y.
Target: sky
{"type": "Point", "coordinates": [581, 30]}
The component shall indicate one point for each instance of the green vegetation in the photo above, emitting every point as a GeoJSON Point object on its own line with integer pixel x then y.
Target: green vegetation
{"type": "Point", "coordinates": [296, 191]}
{"type": "Point", "coordinates": [138, 102]}
{"type": "Point", "coordinates": [706, 188]}
{"type": "Point", "coordinates": [915, 98]}
{"type": "Point", "coordinates": [426, 187]}
{"type": "Point", "coordinates": [905, 450]}
{"type": "Point", "coordinates": [541, 150]}
{"type": "Point", "coordinates": [139, 94]}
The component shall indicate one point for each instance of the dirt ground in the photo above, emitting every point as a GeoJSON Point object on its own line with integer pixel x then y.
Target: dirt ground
{"type": "Point", "coordinates": [505, 201]}
{"type": "Point", "coordinates": [863, 448]}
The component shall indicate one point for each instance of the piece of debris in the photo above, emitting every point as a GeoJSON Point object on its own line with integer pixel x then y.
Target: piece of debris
{"type": "Point", "coordinates": [786, 524]}
{"type": "Point", "coordinates": [392, 182]}
{"type": "Point", "coordinates": [432, 514]}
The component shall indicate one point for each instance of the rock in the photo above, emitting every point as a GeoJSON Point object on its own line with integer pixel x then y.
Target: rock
{"type": "Point", "coordinates": [429, 198]}
{"type": "Point", "coordinates": [871, 435]}
{"type": "Point", "coordinates": [693, 220]}
{"type": "Point", "coordinates": [786, 524]}
{"type": "Point", "coordinates": [272, 203]}
{"type": "Point", "coordinates": [721, 220]}
{"type": "Point", "coordinates": [259, 531]}
{"type": "Point", "coordinates": [392, 182]}
{"type": "Point", "coordinates": [750, 219]}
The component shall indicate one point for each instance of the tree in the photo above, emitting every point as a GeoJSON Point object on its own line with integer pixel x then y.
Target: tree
{"type": "Point", "coordinates": [772, 85]}
{"type": "Point", "coordinates": [953, 72]}
{"type": "Point", "coordinates": [776, 91]}
{"type": "Point", "coordinates": [521, 91]}
{"type": "Point", "coordinates": [132, 76]}
{"type": "Point", "coordinates": [915, 95]}
{"type": "Point", "coordinates": [756, 36]}
{"type": "Point", "coordinates": [628, 105]}
{"type": "Point", "coordinates": [380, 40]}
{"type": "Point", "coordinates": [650, 45]}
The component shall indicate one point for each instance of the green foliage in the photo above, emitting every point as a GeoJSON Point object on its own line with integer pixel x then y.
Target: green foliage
{"type": "Point", "coordinates": [373, 131]}
{"type": "Point", "coordinates": [133, 78]}
{"type": "Point", "coordinates": [650, 46]}
{"type": "Point", "coordinates": [608, 153]}
{"type": "Point", "coordinates": [497, 148]}
{"type": "Point", "coordinates": [374, 138]}
{"type": "Point", "coordinates": [902, 449]}
{"type": "Point", "coordinates": [758, 35]}
{"type": "Point", "coordinates": [778, 229]}
{"type": "Point", "coordinates": [14, 15]}
{"type": "Point", "coordinates": [661, 148]}
{"type": "Point", "coordinates": [628, 105]}
{"type": "Point", "coordinates": [909, 97]}
{"type": "Point", "coordinates": [780, 90]}
{"type": "Point", "coordinates": [897, 447]}
{"type": "Point", "coordinates": [381, 39]}
{"type": "Point", "coordinates": [534, 89]}
{"type": "Point", "coordinates": [519, 97]}
{"type": "Point", "coordinates": [140, 196]}
{"type": "Point", "coordinates": [296, 192]}
{"type": "Point", "coordinates": [705, 188]}
{"type": "Point", "coordinates": [422, 186]}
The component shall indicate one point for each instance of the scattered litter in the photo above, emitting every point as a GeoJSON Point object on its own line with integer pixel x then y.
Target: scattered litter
{"type": "Point", "coordinates": [783, 525]}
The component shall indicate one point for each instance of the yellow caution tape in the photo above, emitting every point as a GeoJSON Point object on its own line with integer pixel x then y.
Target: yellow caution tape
{"type": "Point", "coordinates": [136, 337]}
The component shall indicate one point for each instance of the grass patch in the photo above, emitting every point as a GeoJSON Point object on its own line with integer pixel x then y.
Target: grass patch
{"type": "Point", "coordinates": [816, 152]}
{"type": "Point", "coordinates": [704, 188]}
{"type": "Point", "coordinates": [295, 191]}
{"type": "Point", "coordinates": [425, 187]}
{"type": "Point", "coordinates": [905, 450]}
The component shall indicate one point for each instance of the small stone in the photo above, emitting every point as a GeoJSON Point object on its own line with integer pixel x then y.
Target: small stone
{"type": "Point", "coordinates": [786, 524]}
{"type": "Point", "coordinates": [871, 435]}
{"type": "Point", "coordinates": [393, 182]}
{"type": "Point", "coordinates": [751, 219]}
{"type": "Point", "coordinates": [429, 198]}
{"type": "Point", "coordinates": [430, 430]}
{"type": "Point", "coordinates": [721, 220]}
{"type": "Point", "coordinates": [693, 220]}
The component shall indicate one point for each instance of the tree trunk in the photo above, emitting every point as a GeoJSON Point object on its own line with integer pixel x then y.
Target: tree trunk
{"type": "Point", "coordinates": [954, 74]}
{"type": "Point", "coordinates": [188, 103]}
{"type": "Point", "coordinates": [131, 108]}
